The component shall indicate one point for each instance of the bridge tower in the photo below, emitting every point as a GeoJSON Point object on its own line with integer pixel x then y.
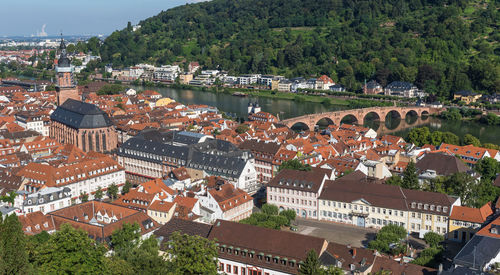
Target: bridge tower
{"type": "Point", "coordinates": [66, 85]}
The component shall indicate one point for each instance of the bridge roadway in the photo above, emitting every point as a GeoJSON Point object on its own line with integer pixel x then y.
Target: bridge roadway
{"type": "Point", "coordinates": [359, 115]}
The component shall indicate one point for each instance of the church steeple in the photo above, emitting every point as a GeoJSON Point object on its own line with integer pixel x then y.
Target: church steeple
{"type": "Point", "coordinates": [63, 58]}
{"type": "Point", "coordinates": [66, 86]}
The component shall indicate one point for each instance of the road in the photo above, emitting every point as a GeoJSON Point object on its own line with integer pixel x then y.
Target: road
{"type": "Point", "coordinates": [335, 232]}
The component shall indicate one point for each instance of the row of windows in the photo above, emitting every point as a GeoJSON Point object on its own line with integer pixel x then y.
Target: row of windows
{"type": "Point", "coordinates": [431, 207]}
{"type": "Point", "coordinates": [293, 200]}
{"type": "Point", "coordinates": [259, 256]}
{"type": "Point", "coordinates": [291, 192]}
{"type": "Point", "coordinates": [366, 209]}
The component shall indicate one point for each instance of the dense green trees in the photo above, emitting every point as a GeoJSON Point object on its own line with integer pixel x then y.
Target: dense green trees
{"type": "Point", "coordinates": [442, 46]}
{"type": "Point", "coordinates": [13, 247]}
{"type": "Point", "coordinates": [192, 255]}
{"type": "Point", "coordinates": [389, 239]}
{"type": "Point", "coordinates": [294, 164]}
{"type": "Point", "coordinates": [410, 177]}
{"type": "Point", "coordinates": [113, 191]}
{"type": "Point", "coordinates": [488, 168]}
{"type": "Point", "coordinates": [271, 217]}
{"type": "Point", "coordinates": [311, 265]}
{"type": "Point", "coordinates": [432, 255]}
{"type": "Point", "coordinates": [71, 251]}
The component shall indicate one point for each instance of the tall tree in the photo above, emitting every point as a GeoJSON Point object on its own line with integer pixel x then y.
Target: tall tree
{"type": "Point", "coordinates": [113, 191]}
{"type": "Point", "coordinates": [192, 254]}
{"type": "Point", "coordinates": [488, 168]}
{"type": "Point", "coordinates": [311, 265]}
{"type": "Point", "coordinates": [125, 238]}
{"type": "Point", "coordinates": [144, 258]}
{"type": "Point", "coordinates": [410, 177]}
{"type": "Point", "coordinates": [71, 251]}
{"type": "Point", "coordinates": [126, 187]}
{"type": "Point", "coordinates": [13, 249]}
{"type": "Point", "coordinates": [294, 164]}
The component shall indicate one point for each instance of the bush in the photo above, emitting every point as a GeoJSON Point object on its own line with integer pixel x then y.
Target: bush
{"type": "Point", "coordinates": [279, 220]}
{"type": "Point", "coordinates": [289, 214]}
{"type": "Point", "coordinates": [270, 209]}
{"type": "Point", "coordinates": [389, 234]}
{"type": "Point", "coordinates": [429, 257]}
{"type": "Point", "coordinates": [433, 239]}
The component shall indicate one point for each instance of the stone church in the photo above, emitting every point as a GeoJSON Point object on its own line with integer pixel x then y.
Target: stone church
{"type": "Point", "coordinates": [77, 122]}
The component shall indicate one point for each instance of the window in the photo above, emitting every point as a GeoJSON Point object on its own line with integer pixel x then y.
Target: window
{"type": "Point", "coordinates": [221, 267]}
{"type": "Point", "coordinates": [235, 269]}
{"type": "Point", "coordinates": [243, 271]}
{"type": "Point", "coordinates": [228, 268]}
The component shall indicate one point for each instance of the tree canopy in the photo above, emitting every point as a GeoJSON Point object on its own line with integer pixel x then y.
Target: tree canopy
{"type": "Point", "coordinates": [294, 164]}
{"type": "Point", "coordinates": [441, 46]}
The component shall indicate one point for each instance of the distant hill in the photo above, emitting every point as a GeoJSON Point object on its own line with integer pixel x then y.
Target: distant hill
{"type": "Point", "coordinates": [440, 45]}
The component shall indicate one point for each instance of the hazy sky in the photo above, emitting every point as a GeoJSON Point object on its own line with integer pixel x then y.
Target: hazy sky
{"type": "Point", "coordinates": [26, 17]}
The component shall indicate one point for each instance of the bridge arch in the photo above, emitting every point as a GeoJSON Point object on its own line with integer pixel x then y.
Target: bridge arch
{"type": "Point", "coordinates": [324, 121]}
{"type": "Point", "coordinates": [358, 115]}
{"type": "Point", "coordinates": [393, 114]}
{"type": "Point", "coordinates": [350, 119]}
{"type": "Point", "coordinates": [300, 126]}
{"type": "Point", "coordinates": [372, 115]}
{"type": "Point", "coordinates": [410, 117]}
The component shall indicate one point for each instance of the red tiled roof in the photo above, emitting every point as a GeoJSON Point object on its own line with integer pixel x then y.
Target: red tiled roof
{"type": "Point", "coordinates": [469, 214]}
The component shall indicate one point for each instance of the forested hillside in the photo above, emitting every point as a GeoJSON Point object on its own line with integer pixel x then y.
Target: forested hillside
{"type": "Point", "coordinates": [440, 45]}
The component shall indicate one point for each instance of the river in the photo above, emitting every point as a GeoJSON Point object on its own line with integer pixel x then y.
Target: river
{"type": "Point", "coordinates": [288, 108]}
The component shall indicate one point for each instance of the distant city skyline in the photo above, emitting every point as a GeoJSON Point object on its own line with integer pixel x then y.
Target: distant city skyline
{"type": "Point", "coordinates": [90, 17]}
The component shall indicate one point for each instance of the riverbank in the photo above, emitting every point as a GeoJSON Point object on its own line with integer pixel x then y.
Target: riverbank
{"type": "Point", "coordinates": [301, 96]}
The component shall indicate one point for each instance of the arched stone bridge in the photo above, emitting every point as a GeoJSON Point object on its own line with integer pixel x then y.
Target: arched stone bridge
{"type": "Point", "coordinates": [359, 115]}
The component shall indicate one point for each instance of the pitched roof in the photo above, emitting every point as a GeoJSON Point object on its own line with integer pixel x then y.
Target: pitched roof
{"type": "Point", "coordinates": [80, 115]}
{"type": "Point", "coordinates": [309, 181]}
{"type": "Point", "coordinates": [469, 214]}
{"type": "Point", "coordinates": [264, 240]}
{"type": "Point", "coordinates": [229, 197]}
{"type": "Point", "coordinates": [36, 222]}
{"type": "Point", "coordinates": [443, 164]}
{"type": "Point", "coordinates": [87, 216]}
{"type": "Point", "coordinates": [258, 146]}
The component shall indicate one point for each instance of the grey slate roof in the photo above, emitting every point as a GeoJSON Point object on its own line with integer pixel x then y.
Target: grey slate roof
{"type": "Point", "coordinates": [400, 86]}
{"type": "Point", "coordinates": [47, 195]}
{"type": "Point", "coordinates": [215, 157]}
{"type": "Point", "coordinates": [443, 164]}
{"type": "Point", "coordinates": [80, 115]}
{"type": "Point", "coordinates": [152, 147]}
{"type": "Point", "coordinates": [478, 252]}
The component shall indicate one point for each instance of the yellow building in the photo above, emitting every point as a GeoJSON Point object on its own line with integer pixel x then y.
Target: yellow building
{"type": "Point", "coordinates": [163, 101]}
{"type": "Point", "coordinates": [466, 96]}
{"type": "Point", "coordinates": [466, 221]}
{"type": "Point", "coordinates": [161, 211]}
{"type": "Point", "coordinates": [185, 78]}
{"type": "Point", "coordinates": [275, 84]}
{"type": "Point", "coordinates": [353, 200]}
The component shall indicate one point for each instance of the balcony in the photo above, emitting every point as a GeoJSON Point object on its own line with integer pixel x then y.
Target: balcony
{"type": "Point", "coordinates": [359, 213]}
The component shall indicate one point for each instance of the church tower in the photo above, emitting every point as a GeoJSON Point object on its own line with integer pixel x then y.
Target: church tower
{"type": "Point", "coordinates": [66, 86]}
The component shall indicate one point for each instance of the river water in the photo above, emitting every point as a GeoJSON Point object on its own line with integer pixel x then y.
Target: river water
{"type": "Point", "coordinates": [288, 108]}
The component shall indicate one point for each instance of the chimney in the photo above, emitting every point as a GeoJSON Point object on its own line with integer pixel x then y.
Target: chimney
{"type": "Point", "coordinates": [348, 245]}
{"type": "Point", "coordinates": [354, 253]}
{"type": "Point", "coordinates": [440, 269]}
